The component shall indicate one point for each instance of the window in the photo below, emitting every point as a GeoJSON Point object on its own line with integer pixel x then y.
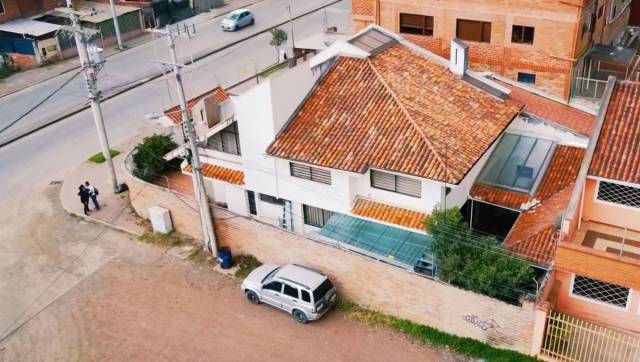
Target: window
{"type": "Point", "coordinates": [400, 184]}
{"type": "Point", "coordinates": [526, 78]}
{"type": "Point", "coordinates": [416, 24]}
{"type": "Point", "coordinates": [522, 34]}
{"type": "Point", "coordinates": [619, 194]}
{"type": "Point", "coordinates": [274, 285]}
{"type": "Point", "coordinates": [600, 291]}
{"type": "Point", "coordinates": [517, 162]}
{"type": "Point", "coordinates": [272, 200]}
{"type": "Point", "coordinates": [472, 30]}
{"type": "Point", "coordinates": [1, 7]}
{"type": "Point", "coordinates": [291, 291]}
{"type": "Point", "coordinates": [316, 216]}
{"type": "Point", "coordinates": [305, 296]}
{"type": "Point", "coordinates": [251, 196]}
{"type": "Point", "coordinates": [310, 173]}
{"type": "Point", "coordinates": [600, 11]}
{"type": "Point", "coordinates": [226, 141]}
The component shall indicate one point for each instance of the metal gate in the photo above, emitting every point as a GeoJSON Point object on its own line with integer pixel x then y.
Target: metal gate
{"type": "Point", "coordinates": [571, 339]}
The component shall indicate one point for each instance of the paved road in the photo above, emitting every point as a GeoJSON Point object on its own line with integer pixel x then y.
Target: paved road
{"type": "Point", "coordinates": [45, 155]}
{"type": "Point", "coordinates": [134, 66]}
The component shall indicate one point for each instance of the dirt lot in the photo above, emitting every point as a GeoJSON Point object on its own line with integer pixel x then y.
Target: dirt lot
{"type": "Point", "coordinates": [101, 295]}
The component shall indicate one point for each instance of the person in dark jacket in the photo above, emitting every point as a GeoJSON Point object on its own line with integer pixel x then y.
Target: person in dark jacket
{"type": "Point", "coordinates": [84, 198]}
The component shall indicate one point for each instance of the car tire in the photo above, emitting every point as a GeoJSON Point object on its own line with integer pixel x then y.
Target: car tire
{"type": "Point", "coordinates": [253, 21]}
{"type": "Point", "coordinates": [235, 28]}
{"type": "Point", "coordinates": [252, 297]}
{"type": "Point", "coordinates": [299, 316]}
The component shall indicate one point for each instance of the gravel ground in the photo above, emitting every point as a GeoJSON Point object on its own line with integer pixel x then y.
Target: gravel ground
{"type": "Point", "coordinates": [113, 298]}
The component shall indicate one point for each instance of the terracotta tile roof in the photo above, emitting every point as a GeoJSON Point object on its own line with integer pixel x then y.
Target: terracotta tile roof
{"type": "Point", "coordinates": [562, 171]}
{"type": "Point", "coordinates": [390, 214]}
{"type": "Point", "coordinates": [534, 234]}
{"type": "Point", "coordinates": [220, 173]}
{"type": "Point", "coordinates": [553, 111]}
{"type": "Point", "coordinates": [617, 154]}
{"type": "Point", "coordinates": [398, 111]}
{"type": "Point", "coordinates": [219, 94]}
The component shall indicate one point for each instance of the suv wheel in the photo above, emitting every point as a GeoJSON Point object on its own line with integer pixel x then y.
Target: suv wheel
{"type": "Point", "coordinates": [299, 316]}
{"type": "Point", "coordinates": [252, 297]}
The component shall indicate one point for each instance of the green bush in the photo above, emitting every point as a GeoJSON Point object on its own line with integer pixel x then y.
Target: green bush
{"type": "Point", "coordinates": [477, 263]}
{"type": "Point", "coordinates": [246, 264]}
{"type": "Point", "coordinates": [148, 157]}
{"type": "Point", "coordinates": [99, 157]}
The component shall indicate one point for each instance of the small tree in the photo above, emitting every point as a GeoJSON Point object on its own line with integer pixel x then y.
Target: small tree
{"type": "Point", "coordinates": [148, 157]}
{"type": "Point", "coordinates": [278, 37]}
{"type": "Point", "coordinates": [476, 263]}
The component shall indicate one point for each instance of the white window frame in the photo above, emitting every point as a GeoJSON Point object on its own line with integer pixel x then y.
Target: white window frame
{"type": "Point", "coordinates": [597, 200]}
{"type": "Point", "coordinates": [594, 301]}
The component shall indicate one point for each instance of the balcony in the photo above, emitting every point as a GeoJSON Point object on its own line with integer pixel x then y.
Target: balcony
{"type": "Point", "coordinates": [610, 239]}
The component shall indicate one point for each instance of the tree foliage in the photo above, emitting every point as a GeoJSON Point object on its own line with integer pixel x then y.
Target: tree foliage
{"type": "Point", "coordinates": [148, 156]}
{"type": "Point", "coordinates": [477, 263]}
{"type": "Point", "coordinates": [278, 37]}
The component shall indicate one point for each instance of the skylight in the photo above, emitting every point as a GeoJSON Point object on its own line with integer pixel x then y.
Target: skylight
{"type": "Point", "coordinates": [373, 41]}
{"type": "Point", "coordinates": [517, 163]}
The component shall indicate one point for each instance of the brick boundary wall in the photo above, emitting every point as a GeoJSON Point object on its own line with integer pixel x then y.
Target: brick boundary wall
{"type": "Point", "coordinates": [367, 282]}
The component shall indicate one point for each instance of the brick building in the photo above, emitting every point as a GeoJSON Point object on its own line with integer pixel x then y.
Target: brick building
{"type": "Point", "coordinates": [537, 42]}
{"type": "Point", "coordinates": [16, 9]}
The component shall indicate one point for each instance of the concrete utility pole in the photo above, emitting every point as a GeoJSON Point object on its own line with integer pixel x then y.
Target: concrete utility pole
{"type": "Point", "coordinates": [293, 43]}
{"type": "Point", "coordinates": [90, 68]}
{"type": "Point", "coordinates": [198, 182]}
{"type": "Point", "coordinates": [116, 26]}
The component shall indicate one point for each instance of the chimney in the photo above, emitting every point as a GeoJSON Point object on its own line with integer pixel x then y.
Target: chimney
{"type": "Point", "coordinates": [459, 58]}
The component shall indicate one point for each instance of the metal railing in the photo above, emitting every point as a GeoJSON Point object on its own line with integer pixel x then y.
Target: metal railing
{"type": "Point", "coordinates": [588, 88]}
{"type": "Point", "coordinates": [569, 338]}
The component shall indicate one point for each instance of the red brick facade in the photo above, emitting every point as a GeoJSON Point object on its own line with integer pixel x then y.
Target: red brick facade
{"type": "Point", "coordinates": [15, 9]}
{"type": "Point", "coordinates": [558, 39]}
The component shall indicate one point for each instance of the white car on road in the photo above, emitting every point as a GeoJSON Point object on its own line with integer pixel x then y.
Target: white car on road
{"type": "Point", "coordinates": [238, 19]}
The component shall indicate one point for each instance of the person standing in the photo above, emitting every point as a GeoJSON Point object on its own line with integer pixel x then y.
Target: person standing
{"type": "Point", "coordinates": [84, 198]}
{"type": "Point", "coordinates": [93, 193]}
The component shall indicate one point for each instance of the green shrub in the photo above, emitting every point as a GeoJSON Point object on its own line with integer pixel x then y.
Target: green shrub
{"type": "Point", "coordinates": [477, 263]}
{"type": "Point", "coordinates": [246, 264]}
{"type": "Point", "coordinates": [148, 157]}
{"type": "Point", "coordinates": [99, 157]}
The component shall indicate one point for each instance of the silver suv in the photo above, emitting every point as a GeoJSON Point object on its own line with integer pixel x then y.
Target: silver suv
{"type": "Point", "coordinates": [305, 293]}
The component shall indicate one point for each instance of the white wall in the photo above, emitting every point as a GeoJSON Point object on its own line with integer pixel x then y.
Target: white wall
{"type": "Point", "coordinates": [459, 193]}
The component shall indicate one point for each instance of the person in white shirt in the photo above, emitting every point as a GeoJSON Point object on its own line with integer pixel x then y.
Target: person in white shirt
{"type": "Point", "coordinates": [93, 193]}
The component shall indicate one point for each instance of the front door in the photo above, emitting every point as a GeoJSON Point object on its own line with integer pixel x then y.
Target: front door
{"type": "Point", "coordinates": [272, 292]}
{"type": "Point", "coordinates": [290, 297]}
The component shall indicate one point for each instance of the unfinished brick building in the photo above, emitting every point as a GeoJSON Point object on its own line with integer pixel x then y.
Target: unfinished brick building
{"type": "Point", "coordinates": [537, 42]}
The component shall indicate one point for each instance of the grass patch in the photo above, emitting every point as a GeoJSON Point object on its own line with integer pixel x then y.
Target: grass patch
{"type": "Point", "coordinates": [246, 264]}
{"type": "Point", "coordinates": [99, 157]}
{"type": "Point", "coordinates": [431, 336]}
{"type": "Point", "coordinates": [200, 256]}
{"type": "Point", "coordinates": [165, 240]}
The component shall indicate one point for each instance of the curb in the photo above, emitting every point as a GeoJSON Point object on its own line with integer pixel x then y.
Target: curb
{"type": "Point", "coordinates": [154, 77]}
{"type": "Point", "coordinates": [102, 222]}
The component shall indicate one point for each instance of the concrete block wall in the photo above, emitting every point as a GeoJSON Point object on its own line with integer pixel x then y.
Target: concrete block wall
{"type": "Point", "coordinates": [373, 284]}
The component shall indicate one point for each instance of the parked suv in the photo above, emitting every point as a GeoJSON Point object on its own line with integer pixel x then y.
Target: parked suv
{"type": "Point", "coordinates": [305, 293]}
{"type": "Point", "coordinates": [238, 19]}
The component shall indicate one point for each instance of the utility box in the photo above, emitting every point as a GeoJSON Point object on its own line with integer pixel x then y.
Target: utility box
{"type": "Point", "coordinates": [160, 219]}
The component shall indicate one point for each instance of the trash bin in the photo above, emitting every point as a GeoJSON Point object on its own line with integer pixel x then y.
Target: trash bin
{"type": "Point", "coordinates": [224, 257]}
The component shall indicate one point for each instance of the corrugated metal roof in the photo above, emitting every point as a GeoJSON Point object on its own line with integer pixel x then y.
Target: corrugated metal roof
{"type": "Point", "coordinates": [29, 27]}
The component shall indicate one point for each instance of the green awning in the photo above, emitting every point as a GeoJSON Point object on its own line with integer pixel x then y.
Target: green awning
{"type": "Point", "coordinates": [396, 245]}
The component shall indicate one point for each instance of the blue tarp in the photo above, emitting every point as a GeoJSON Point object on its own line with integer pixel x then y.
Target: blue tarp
{"type": "Point", "coordinates": [388, 242]}
{"type": "Point", "coordinates": [16, 45]}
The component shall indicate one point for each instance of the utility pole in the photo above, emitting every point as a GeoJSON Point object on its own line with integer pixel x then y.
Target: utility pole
{"type": "Point", "coordinates": [90, 67]}
{"type": "Point", "coordinates": [198, 182]}
{"type": "Point", "coordinates": [116, 26]}
{"type": "Point", "coordinates": [293, 43]}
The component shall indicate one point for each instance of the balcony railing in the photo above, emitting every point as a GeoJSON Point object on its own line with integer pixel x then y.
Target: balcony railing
{"type": "Point", "coordinates": [588, 88]}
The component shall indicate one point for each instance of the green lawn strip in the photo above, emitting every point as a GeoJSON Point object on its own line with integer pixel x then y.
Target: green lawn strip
{"type": "Point", "coordinates": [99, 157]}
{"type": "Point", "coordinates": [431, 336]}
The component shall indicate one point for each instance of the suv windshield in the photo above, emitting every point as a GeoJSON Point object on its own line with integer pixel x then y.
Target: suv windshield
{"type": "Point", "coordinates": [321, 290]}
{"type": "Point", "coordinates": [268, 276]}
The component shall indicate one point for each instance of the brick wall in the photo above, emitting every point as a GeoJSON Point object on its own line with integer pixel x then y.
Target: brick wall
{"type": "Point", "coordinates": [367, 282]}
{"type": "Point", "coordinates": [15, 9]}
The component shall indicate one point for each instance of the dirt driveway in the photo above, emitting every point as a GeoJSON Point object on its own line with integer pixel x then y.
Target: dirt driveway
{"type": "Point", "coordinates": [117, 299]}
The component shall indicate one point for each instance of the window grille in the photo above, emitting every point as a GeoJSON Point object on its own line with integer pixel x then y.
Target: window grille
{"type": "Point", "coordinates": [395, 183]}
{"type": "Point", "coordinates": [310, 173]}
{"type": "Point", "coordinates": [600, 291]}
{"type": "Point", "coordinates": [316, 216]}
{"type": "Point", "coordinates": [619, 194]}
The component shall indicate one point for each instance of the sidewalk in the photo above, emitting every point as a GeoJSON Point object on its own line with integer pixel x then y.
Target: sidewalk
{"type": "Point", "coordinates": [115, 210]}
{"type": "Point", "coordinates": [28, 78]}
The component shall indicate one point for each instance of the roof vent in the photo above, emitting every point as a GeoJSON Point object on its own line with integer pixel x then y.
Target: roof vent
{"type": "Point", "coordinates": [459, 59]}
